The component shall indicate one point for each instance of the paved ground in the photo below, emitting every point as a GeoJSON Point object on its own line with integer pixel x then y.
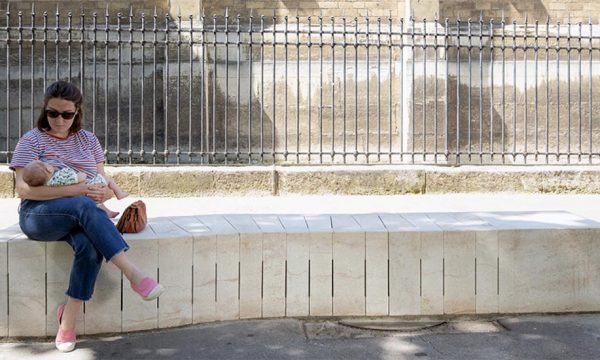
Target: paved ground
{"type": "Point", "coordinates": [524, 337]}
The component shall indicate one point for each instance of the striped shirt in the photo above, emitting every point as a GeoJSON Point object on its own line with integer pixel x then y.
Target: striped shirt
{"type": "Point", "coordinates": [80, 151]}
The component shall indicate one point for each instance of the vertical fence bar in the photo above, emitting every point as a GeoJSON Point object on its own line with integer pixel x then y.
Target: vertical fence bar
{"type": "Point", "coordinates": [525, 49]}
{"type": "Point", "coordinates": [238, 93]}
{"type": "Point", "coordinates": [446, 92]}
{"type": "Point", "coordinates": [250, 62]}
{"type": "Point", "coordinates": [401, 127]}
{"type": "Point", "coordinates": [285, 93]}
{"type": "Point", "coordinates": [458, 35]}
{"type": "Point", "coordinates": [590, 48]}
{"type": "Point", "coordinates": [390, 74]}
{"type": "Point", "coordinates": [94, 69]}
{"type": "Point", "coordinates": [368, 81]}
{"type": "Point", "coordinates": [20, 80]}
{"type": "Point", "coordinates": [355, 89]}
{"type": "Point", "coordinates": [547, 48]}
{"type": "Point", "coordinates": [32, 64]}
{"type": "Point", "coordinates": [558, 91]}
{"type": "Point", "coordinates": [514, 84]}
{"type": "Point", "coordinates": [191, 43]}
{"type": "Point", "coordinates": [166, 76]}
{"type": "Point", "coordinates": [320, 89]}
{"type": "Point", "coordinates": [82, 51]}
{"type": "Point", "coordinates": [503, 119]}
{"type": "Point", "coordinates": [345, 80]}
{"type": "Point", "coordinates": [130, 86]}
{"type": "Point", "coordinates": [142, 81]}
{"type": "Point", "coordinates": [154, 92]}
{"type": "Point", "coordinates": [435, 91]}
{"type": "Point", "coordinates": [57, 42]}
{"type": "Point", "coordinates": [412, 82]}
{"type": "Point", "coordinates": [214, 91]}
{"type": "Point", "coordinates": [262, 87]}
{"type": "Point", "coordinates": [424, 106]}
{"type": "Point", "coordinates": [580, 78]}
{"type": "Point", "coordinates": [8, 147]}
{"type": "Point", "coordinates": [178, 93]}
{"type": "Point", "coordinates": [480, 89]}
{"type": "Point", "coordinates": [569, 91]}
{"type": "Point", "coordinates": [332, 90]}
{"type": "Point", "coordinates": [309, 109]}
{"type": "Point", "coordinates": [274, 95]}
{"type": "Point", "coordinates": [106, 78]}
{"type": "Point", "coordinates": [535, 108]}
{"type": "Point", "coordinates": [45, 50]}
{"type": "Point", "coordinates": [119, 56]}
{"type": "Point", "coordinates": [378, 89]}
{"type": "Point", "coordinates": [226, 104]}
{"type": "Point", "coordinates": [491, 36]}
{"type": "Point", "coordinates": [298, 89]}
{"type": "Point", "coordinates": [69, 43]}
{"type": "Point", "coordinates": [470, 87]}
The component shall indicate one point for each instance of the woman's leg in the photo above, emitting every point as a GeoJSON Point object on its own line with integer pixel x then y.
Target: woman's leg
{"type": "Point", "coordinates": [72, 310]}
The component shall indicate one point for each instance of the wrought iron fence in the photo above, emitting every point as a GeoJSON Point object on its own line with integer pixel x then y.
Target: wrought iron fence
{"type": "Point", "coordinates": [256, 90]}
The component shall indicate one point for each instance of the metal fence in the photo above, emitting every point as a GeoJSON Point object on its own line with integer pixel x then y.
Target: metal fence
{"type": "Point", "coordinates": [256, 90]}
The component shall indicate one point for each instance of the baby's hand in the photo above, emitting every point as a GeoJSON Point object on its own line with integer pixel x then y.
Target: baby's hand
{"type": "Point", "coordinates": [81, 177]}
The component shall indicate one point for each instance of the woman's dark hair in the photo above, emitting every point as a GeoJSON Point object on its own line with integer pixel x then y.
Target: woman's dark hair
{"type": "Point", "coordinates": [66, 91]}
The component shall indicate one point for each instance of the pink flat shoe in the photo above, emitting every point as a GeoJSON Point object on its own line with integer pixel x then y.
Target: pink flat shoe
{"type": "Point", "coordinates": [65, 339]}
{"type": "Point", "coordinates": [148, 289]}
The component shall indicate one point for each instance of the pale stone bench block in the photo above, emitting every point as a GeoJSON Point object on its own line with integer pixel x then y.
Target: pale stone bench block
{"type": "Point", "coordinates": [486, 253]}
{"type": "Point", "coordinates": [459, 272]}
{"type": "Point", "coordinates": [59, 259]}
{"type": "Point", "coordinates": [27, 287]}
{"type": "Point", "coordinates": [228, 262]}
{"type": "Point", "coordinates": [348, 274]}
{"type": "Point", "coordinates": [376, 269]}
{"type": "Point", "coordinates": [320, 256]}
{"type": "Point", "coordinates": [103, 311]}
{"type": "Point", "coordinates": [137, 313]}
{"type": "Point", "coordinates": [204, 308]}
{"type": "Point", "coordinates": [274, 257]}
{"type": "Point", "coordinates": [405, 265]}
{"type": "Point", "coordinates": [297, 273]}
{"type": "Point", "coordinates": [548, 270]}
{"type": "Point", "coordinates": [251, 256]}
{"type": "Point", "coordinates": [175, 253]}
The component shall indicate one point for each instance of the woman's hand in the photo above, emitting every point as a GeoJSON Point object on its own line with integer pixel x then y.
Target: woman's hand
{"type": "Point", "coordinates": [99, 193]}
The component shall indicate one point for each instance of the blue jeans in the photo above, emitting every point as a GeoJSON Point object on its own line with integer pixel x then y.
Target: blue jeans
{"type": "Point", "coordinates": [79, 222]}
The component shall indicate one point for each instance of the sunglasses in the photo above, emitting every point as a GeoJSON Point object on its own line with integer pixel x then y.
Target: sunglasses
{"type": "Point", "coordinates": [67, 115]}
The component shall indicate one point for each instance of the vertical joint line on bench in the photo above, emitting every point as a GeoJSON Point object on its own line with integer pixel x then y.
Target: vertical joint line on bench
{"type": "Point", "coordinates": [420, 277]}
{"type": "Point", "coordinates": [192, 289]}
{"type": "Point", "coordinates": [309, 278]}
{"type": "Point", "coordinates": [262, 279]}
{"type": "Point", "coordinates": [332, 278]}
{"type": "Point", "coordinates": [216, 281]}
{"type": "Point", "coordinates": [239, 278]}
{"type": "Point", "coordinates": [475, 285]}
{"type": "Point", "coordinates": [444, 276]}
{"type": "Point", "coordinates": [365, 277]}
{"type": "Point", "coordinates": [498, 276]}
{"type": "Point", "coordinates": [158, 279]}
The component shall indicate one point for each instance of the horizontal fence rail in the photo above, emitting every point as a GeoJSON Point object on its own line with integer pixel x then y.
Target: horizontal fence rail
{"type": "Point", "coordinates": [265, 90]}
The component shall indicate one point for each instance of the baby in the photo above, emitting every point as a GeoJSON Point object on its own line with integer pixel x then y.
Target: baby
{"type": "Point", "coordinates": [38, 173]}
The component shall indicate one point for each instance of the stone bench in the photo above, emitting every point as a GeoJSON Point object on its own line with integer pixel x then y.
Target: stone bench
{"type": "Point", "coordinates": [268, 266]}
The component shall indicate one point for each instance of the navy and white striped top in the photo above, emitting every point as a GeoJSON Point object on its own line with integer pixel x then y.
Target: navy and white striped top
{"type": "Point", "coordinates": [80, 151]}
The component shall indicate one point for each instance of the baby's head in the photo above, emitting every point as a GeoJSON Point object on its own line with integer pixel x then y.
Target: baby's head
{"type": "Point", "coordinates": [37, 173]}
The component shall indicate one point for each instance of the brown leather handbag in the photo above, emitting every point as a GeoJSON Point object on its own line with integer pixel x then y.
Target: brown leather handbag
{"type": "Point", "coordinates": [134, 218]}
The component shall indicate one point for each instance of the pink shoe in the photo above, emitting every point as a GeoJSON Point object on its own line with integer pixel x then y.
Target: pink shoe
{"type": "Point", "coordinates": [148, 289]}
{"type": "Point", "coordinates": [65, 339]}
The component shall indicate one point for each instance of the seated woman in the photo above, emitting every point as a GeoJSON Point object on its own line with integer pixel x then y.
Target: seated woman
{"type": "Point", "coordinates": [69, 213]}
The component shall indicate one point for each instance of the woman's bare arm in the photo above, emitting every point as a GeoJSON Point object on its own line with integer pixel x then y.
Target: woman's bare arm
{"type": "Point", "coordinates": [46, 192]}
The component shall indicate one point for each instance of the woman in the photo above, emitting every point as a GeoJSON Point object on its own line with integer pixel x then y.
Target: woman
{"type": "Point", "coordinates": [70, 213]}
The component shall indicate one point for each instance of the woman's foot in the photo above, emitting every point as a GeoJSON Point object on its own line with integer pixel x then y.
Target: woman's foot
{"type": "Point", "coordinates": [65, 339]}
{"type": "Point", "coordinates": [148, 289]}
{"type": "Point", "coordinates": [121, 194]}
{"type": "Point", "coordinates": [111, 214]}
